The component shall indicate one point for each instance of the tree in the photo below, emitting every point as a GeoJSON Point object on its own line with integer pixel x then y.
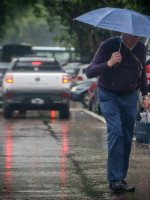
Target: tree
{"type": "Point", "coordinates": [27, 28]}
{"type": "Point", "coordinates": [79, 35]}
{"type": "Point", "coordinates": [8, 10]}
{"type": "Point", "coordinates": [63, 12]}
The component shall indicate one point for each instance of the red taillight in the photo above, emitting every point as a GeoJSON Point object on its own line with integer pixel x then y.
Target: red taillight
{"type": "Point", "coordinates": [10, 95]}
{"type": "Point", "coordinates": [80, 78]}
{"type": "Point", "coordinates": [65, 79]}
{"type": "Point", "coordinates": [9, 79]}
{"type": "Point", "coordinates": [65, 95]}
{"type": "Point", "coordinates": [36, 63]}
{"type": "Point", "coordinates": [53, 113]}
{"type": "Point", "coordinates": [147, 68]}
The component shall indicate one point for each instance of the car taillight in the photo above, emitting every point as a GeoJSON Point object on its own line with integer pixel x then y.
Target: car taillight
{"type": "Point", "coordinates": [36, 63]}
{"type": "Point", "coordinates": [10, 95]}
{"type": "Point", "coordinates": [65, 79]}
{"type": "Point", "coordinates": [80, 78]}
{"type": "Point", "coordinates": [147, 68]}
{"type": "Point", "coordinates": [64, 95]}
{"type": "Point", "coordinates": [9, 79]}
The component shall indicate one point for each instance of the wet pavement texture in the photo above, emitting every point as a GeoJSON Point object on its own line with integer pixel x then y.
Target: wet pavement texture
{"type": "Point", "coordinates": [45, 158]}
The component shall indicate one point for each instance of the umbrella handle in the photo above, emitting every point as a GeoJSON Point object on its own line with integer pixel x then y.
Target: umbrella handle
{"type": "Point", "coordinates": [119, 52]}
{"type": "Point", "coordinates": [117, 64]}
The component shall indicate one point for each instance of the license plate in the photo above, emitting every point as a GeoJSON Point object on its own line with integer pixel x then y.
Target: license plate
{"type": "Point", "coordinates": [38, 101]}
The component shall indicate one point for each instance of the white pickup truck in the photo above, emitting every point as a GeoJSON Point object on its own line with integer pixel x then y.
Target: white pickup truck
{"type": "Point", "coordinates": [35, 83]}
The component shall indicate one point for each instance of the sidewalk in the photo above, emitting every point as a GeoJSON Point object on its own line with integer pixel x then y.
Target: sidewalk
{"type": "Point", "coordinates": [139, 169]}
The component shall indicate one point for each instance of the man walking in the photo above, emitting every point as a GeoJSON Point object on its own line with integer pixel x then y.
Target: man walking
{"type": "Point", "coordinates": [119, 64]}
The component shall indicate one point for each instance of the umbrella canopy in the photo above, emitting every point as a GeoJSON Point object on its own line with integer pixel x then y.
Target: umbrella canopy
{"type": "Point", "coordinates": [122, 20]}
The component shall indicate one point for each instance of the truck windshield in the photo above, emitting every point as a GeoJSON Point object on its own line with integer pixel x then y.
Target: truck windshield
{"type": "Point", "coordinates": [34, 66]}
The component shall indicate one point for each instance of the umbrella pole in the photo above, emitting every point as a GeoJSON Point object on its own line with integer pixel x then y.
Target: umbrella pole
{"type": "Point", "coordinates": [119, 52]}
{"type": "Point", "coordinates": [94, 40]}
{"type": "Point", "coordinates": [120, 46]}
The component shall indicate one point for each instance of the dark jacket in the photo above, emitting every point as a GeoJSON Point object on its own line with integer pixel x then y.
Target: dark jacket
{"type": "Point", "coordinates": [121, 79]}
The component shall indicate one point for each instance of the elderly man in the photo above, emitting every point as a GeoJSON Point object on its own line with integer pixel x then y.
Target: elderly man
{"type": "Point", "coordinates": [119, 64]}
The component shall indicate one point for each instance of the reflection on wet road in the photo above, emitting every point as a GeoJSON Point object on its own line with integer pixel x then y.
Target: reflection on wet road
{"type": "Point", "coordinates": [8, 155]}
{"type": "Point", "coordinates": [45, 158]}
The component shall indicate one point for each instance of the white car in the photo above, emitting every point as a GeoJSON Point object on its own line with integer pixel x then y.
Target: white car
{"type": "Point", "coordinates": [3, 68]}
{"type": "Point", "coordinates": [80, 76]}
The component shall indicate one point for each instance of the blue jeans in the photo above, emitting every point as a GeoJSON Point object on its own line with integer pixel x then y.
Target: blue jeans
{"type": "Point", "coordinates": [119, 113]}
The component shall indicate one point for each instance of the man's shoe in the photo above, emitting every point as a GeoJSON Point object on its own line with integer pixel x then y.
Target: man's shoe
{"type": "Point", "coordinates": [116, 186]}
{"type": "Point", "coordinates": [128, 188]}
{"type": "Point", "coordinates": [120, 186]}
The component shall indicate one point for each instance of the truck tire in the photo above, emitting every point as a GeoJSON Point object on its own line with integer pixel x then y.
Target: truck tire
{"type": "Point", "coordinates": [64, 113]}
{"type": "Point", "coordinates": [7, 112]}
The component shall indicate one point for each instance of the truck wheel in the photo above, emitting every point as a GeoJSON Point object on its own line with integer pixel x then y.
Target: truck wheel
{"type": "Point", "coordinates": [7, 112]}
{"type": "Point", "coordinates": [64, 113]}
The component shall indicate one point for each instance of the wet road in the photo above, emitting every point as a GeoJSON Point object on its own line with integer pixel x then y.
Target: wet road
{"type": "Point", "coordinates": [45, 158]}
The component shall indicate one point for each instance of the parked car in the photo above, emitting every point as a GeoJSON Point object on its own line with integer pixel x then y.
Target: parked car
{"type": "Point", "coordinates": [79, 92]}
{"type": "Point", "coordinates": [147, 67]}
{"type": "Point", "coordinates": [80, 75]}
{"type": "Point", "coordinates": [93, 99]}
{"type": "Point", "coordinates": [3, 68]}
{"type": "Point", "coordinates": [71, 68]}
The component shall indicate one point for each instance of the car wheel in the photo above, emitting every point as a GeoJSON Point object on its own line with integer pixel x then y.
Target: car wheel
{"type": "Point", "coordinates": [95, 107]}
{"type": "Point", "coordinates": [99, 109]}
{"type": "Point", "coordinates": [85, 100]}
{"type": "Point", "coordinates": [90, 105]}
{"type": "Point", "coordinates": [64, 113]}
{"type": "Point", "coordinates": [7, 112]}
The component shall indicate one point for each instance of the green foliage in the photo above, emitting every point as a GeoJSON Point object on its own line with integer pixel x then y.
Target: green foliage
{"type": "Point", "coordinates": [27, 28]}
{"type": "Point", "coordinates": [60, 20]}
{"type": "Point", "coordinates": [77, 34]}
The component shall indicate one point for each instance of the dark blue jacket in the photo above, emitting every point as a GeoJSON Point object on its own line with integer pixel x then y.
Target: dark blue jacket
{"type": "Point", "coordinates": [121, 79]}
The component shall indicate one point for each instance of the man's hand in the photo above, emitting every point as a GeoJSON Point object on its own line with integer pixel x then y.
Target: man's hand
{"type": "Point", "coordinates": [115, 58]}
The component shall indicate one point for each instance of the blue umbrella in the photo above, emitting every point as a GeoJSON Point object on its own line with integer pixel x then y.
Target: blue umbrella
{"type": "Point", "coordinates": [122, 20]}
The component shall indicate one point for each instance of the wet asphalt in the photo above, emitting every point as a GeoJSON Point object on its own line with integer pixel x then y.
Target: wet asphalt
{"type": "Point", "coordinates": [43, 157]}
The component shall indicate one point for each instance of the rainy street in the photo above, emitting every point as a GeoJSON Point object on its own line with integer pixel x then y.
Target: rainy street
{"type": "Point", "coordinates": [47, 158]}
{"type": "Point", "coordinates": [63, 63]}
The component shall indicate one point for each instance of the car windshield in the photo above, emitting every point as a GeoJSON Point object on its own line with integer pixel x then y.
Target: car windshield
{"type": "Point", "coordinates": [41, 66]}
